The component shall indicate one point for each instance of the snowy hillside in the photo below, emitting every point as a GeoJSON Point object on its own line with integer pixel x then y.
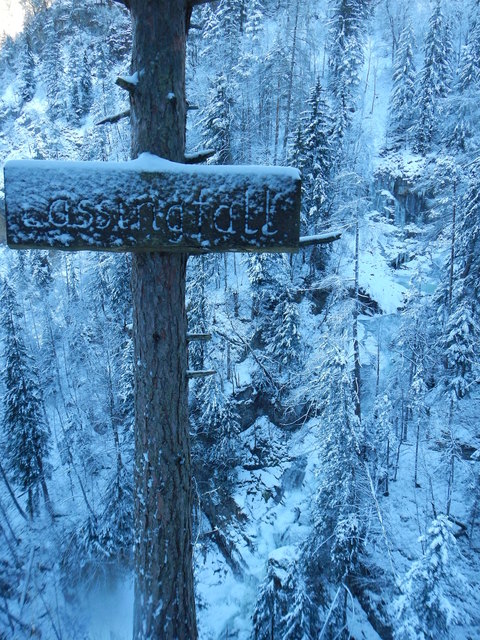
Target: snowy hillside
{"type": "Point", "coordinates": [336, 450]}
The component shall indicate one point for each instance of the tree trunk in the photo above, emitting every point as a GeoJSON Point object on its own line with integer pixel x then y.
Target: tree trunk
{"type": "Point", "coordinates": [356, 344]}
{"type": "Point", "coordinates": [417, 442]}
{"type": "Point", "coordinates": [386, 493]}
{"type": "Point", "coordinates": [452, 247]}
{"type": "Point", "coordinates": [290, 79]}
{"type": "Point", "coordinates": [164, 594]}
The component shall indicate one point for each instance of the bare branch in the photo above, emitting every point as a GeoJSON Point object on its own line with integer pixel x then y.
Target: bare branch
{"type": "Point", "coordinates": [199, 156]}
{"type": "Point", "coordinates": [115, 118]}
{"type": "Point", "coordinates": [321, 238]}
{"type": "Point", "coordinates": [202, 337]}
{"type": "Point", "coordinates": [200, 373]}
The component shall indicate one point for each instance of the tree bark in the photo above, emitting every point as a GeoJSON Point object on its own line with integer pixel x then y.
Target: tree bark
{"type": "Point", "coordinates": [356, 311]}
{"type": "Point", "coordinates": [164, 593]}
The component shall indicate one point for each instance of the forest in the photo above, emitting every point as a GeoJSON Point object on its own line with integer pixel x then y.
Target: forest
{"type": "Point", "coordinates": [336, 449]}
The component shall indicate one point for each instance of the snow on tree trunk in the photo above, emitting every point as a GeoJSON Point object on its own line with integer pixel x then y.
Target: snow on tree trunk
{"type": "Point", "coordinates": [164, 595]}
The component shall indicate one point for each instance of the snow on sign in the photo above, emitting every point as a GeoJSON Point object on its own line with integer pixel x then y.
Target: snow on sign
{"type": "Point", "coordinates": [151, 204]}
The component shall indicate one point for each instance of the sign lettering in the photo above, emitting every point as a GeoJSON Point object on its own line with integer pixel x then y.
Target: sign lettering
{"type": "Point", "coordinates": [172, 207]}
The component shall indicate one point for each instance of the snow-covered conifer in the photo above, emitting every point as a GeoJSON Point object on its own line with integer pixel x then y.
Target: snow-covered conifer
{"type": "Point", "coordinates": [217, 121]}
{"type": "Point", "coordinates": [216, 420]}
{"type": "Point", "coordinates": [425, 610]}
{"type": "Point", "coordinates": [337, 521]}
{"type": "Point", "coordinates": [435, 79]}
{"type": "Point", "coordinates": [401, 111]}
{"type": "Point", "coordinates": [461, 348]}
{"type": "Point", "coordinates": [27, 71]}
{"type": "Point", "coordinates": [26, 434]}
{"type": "Point", "coordinates": [283, 333]}
{"type": "Point", "coordinates": [346, 55]}
{"type": "Point", "coordinates": [317, 162]}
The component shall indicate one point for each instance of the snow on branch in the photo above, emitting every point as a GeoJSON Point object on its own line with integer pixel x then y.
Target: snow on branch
{"type": "Point", "coordinates": [129, 83]}
{"type": "Point", "coordinates": [321, 238]}
{"type": "Point", "coordinates": [199, 156]}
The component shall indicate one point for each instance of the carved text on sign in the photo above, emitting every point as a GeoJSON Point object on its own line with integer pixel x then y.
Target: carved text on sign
{"type": "Point", "coordinates": [114, 206]}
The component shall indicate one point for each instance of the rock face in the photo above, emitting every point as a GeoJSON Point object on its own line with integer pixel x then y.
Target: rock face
{"type": "Point", "coordinates": [398, 191]}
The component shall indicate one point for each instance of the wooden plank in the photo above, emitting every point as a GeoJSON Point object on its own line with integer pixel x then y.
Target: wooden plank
{"type": "Point", "coordinates": [151, 204]}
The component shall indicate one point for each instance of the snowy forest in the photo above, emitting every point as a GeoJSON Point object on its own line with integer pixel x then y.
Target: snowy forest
{"type": "Point", "coordinates": [336, 450]}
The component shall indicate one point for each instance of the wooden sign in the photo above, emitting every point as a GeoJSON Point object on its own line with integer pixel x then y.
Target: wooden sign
{"type": "Point", "coordinates": [151, 204]}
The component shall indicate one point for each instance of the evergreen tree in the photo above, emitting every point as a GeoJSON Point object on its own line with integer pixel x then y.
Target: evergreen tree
{"type": "Point", "coordinates": [346, 57]}
{"type": "Point", "coordinates": [283, 333]}
{"type": "Point", "coordinates": [53, 72]}
{"type": "Point", "coordinates": [401, 113]}
{"type": "Point", "coordinates": [338, 527]}
{"type": "Point", "coordinates": [42, 271]}
{"type": "Point", "coordinates": [217, 121]}
{"type": "Point", "coordinates": [223, 28]}
{"type": "Point", "coordinates": [27, 71]}
{"type": "Point", "coordinates": [115, 532]}
{"type": "Point", "coordinates": [216, 420]}
{"type": "Point", "coordinates": [284, 608]}
{"type": "Point", "coordinates": [85, 86]}
{"type": "Point", "coordinates": [424, 609]}
{"type": "Point", "coordinates": [25, 432]}
{"type": "Point", "coordinates": [317, 161]}
{"type": "Point", "coordinates": [255, 19]}
{"type": "Point", "coordinates": [435, 80]}
{"type": "Point", "coordinates": [469, 74]}
{"type": "Point", "coordinates": [469, 239]}
{"type": "Point", "coordinates": [460, 348]}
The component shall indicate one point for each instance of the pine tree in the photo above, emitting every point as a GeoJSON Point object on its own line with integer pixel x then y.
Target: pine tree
{"type": "Point", "coordinates": [42, 271]}
{"type": "Point", "coordinates": [85, 86]}
{"type": "Point", "coordinates": [435, 80]}
{"type": "Point", "coordinates": [223, 28]}
{"type": "Point", "coordinates": [317, 160]}
{"type": "Point", "coordinates": [401, 113]}
{"type": "Point", "coordinates": [255, 19]}
{"type": "Point", "coordinates": [115, 533]}
{"type": "Point", "coordinates": [417, 395]}
{"type": "Point", "coordinates": [53, 72]}
{"type": "Point", "coordinates": [346, 57]}
{"type": "Point", "coordinates": [300, 619]}
{"type": "Point", "coordinates": [460, 348]}
{"type": "Point", "coordinates": [283, 333]}
{"type": "Point", "coordinates": [469, 239]}
{"type": "Point", "coordinates": [469, 74]}
{"type": "Point", "coordinates": [25, 431]}
{"type": "Point", "coordinates": [282, 608]}
{"type": "Point", "coordinates": [337, 522]}
{"type": "Point", "coordinates": [424, 609]}
{"type": "Point", "coordinates": [217, 121]}
{"type": "Point", "coordinates": [27, 71]}
{"type": "Point", "coordinates": [216, 420]}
